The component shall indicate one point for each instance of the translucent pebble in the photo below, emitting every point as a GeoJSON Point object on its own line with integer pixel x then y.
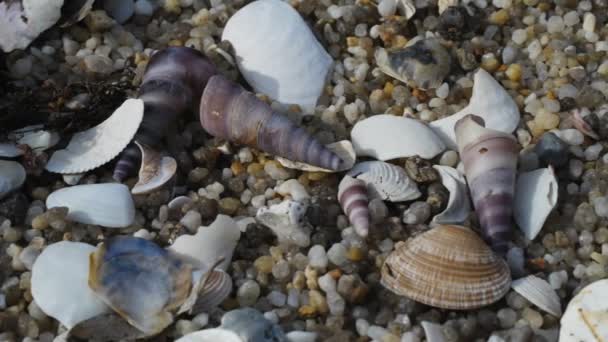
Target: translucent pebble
{"type": "Point", "coordinates": [277, 298]}
{"type": "Point", "coordinates": [551, 105]}
{"type": "Point", "coordinates": [579, 271]}
{"type": "Point", "coordinates": [443, 91]}
{"type": "Point", "coordinates": [585, 238]}
{"type": "Point", "coordinates": [558, 279]}
{"type": "Point", "coordinates": [519, 36]}
{"type": "Point", "coordinates": [575, 168]}
{"type": "Point", "coordinates": [191, 220]}
{"type": "Point", "coordinates": [327, 283]}
{"type": "Point", "coordinates": [335, 11]}
{"type": "Point", "coordinates": [351, 112]}
{"type": "Point", "coordinates": [280, 270]}
{"type": "Point", "coordinates": [377, 332]}
{"type": "Point", "coordinates": [534, 49]}
{"type": "Point", "coordinates": [593, 152]}
{"type": "Point", "coordinates": [361, 30]}
{"type": "Point", "coordinates": [144, 7]}
{"type": "Point", "coordinates": [555, 24]}
{"type": "Point", "coordinates": [362, 326]}
{"type": "Point", "coordinates": [600, 205]}
{"type": "Point", "coordinates": [335, 303]}
{"type": "Point", "coordinates": [506, 317]}
{"type": "Point", "coordinates": [387, 8]}
{"type": "Point", "coordinates": [317, 257]}
{"type": "Point", "coordinates": [417, 213]}
{"type": "Point", "coordinates": [410, 336]}
{"type": "Point", "coordinates": [567, 90]}
{"type": "Point", "coordinates": [509, 53]}
{"type": "Point", "coordinates": [248, 293]}
{"type": "Point", "coordinates": [337, 254]}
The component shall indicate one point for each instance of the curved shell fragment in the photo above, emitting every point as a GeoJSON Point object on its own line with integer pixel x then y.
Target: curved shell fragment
{"type": "Point", "coordinates": [539, 292]}
{"type": "Point", "coordinates": [535, 197]}
{"type": "Point", "coordinates": [386, 181]}
{"type": "Point", "coordinates": [12, 176]}
{"type": "Point", "coordinates": [154, 172]}
{"type": "Point", "coordinates": [343, 149]}
{"type": "Point", "coordinates": [287, 222]}
{"type": "Point", "coordinates": [458, 207]}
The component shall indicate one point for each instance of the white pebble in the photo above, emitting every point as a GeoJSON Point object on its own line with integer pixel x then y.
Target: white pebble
{"type": "Point", "coordinates": [555, 24]}
{"type": "Point", "coordinates": [534, 49]}
{"type": "Point", "coordinates": [449, 158]}
{"type": "Point", "coordinates": [277, 298]}
{"type": "Point", "coordinates": [293, 188]}
{"type": "Point", "coordinates": [571, 18]}
{"type": "Point", "coordinates": [362, 326]}
{"type": "Point", "coordinates": [386, 8]}
{"type": "Point", "coordinates": [571, 136]}
{"type": "Point", "coordinates": [192, 220]}
{"type": "Point", "coordinates": [317, 257]}
{"type": "Point", "coordinates": [519, 36]}
{"type": "Point", "coordinates": [589, 21]}
{"type": "Point", "coordinates": [327, 283]}
{"type": "Point", "coordinates": [443, 91]}
{"type": "Point", "coordinates": [593, 152]}
{"type": "Point", "coordinates": [337, 254]}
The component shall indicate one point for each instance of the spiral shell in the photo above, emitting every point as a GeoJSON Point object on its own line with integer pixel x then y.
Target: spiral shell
{"type": "Point", "coordinates": [352, 195]}
{"type": "Point", "coordinates": [216, 289]}
{"type": "Point", "coordinates": [230, 112]}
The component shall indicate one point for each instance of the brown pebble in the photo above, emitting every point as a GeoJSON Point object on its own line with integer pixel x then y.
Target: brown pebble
{"type": "Point", "coordinates": [354, 254]}
{"type": "Point", "coordinates": [307, 311]}
{"type": "Point", "coordinates": [40, 222]}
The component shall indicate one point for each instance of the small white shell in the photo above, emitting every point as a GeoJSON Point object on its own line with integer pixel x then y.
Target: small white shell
{"type": "Point", "coordinates": [433, 332]}
{"type": "Point", "coordinates": [154, 172]}
{"type": "Point", "coordinates": [386, 181]}
{"type": "Point", "coordinates": [10, 150]}
{"type": "Point", "coordinates": [343, 149]}
{"type": "Point", "coordinates": [36, 139]}
{"type": "Point", "coordinates": [72, 179]}
{"type": "Point", "coordinates": [96, 146]}
{"type": "Point", "coordinates": [60, 283]}
{"type": "Point", "coordinates": [459, 205]}
{"type": "Point", "coordinates": [287, 221]}
{"type": "Point", "coordinates": [211, 335]}
{"type": "Point", "coordinates": [490, 101]}
{"type": "Point", "coordinates": [106, 204]}
{"type": "Point", "coordinates": [210, 243]}
{"type": "Point", "coordinates": [22, 21]}
{"type": "Point", "coordinates": [586, 315]}
{"type": "Point", "coordinates": [277, 53]}
{"type": "Point", "coordinates": [12, 176]}
{"type": "Point", "coordinates": [535, 197]}
{"type": "Point", "coordinates": [386, 137]}
{"type": "Point", "coordinates": [539, 293]}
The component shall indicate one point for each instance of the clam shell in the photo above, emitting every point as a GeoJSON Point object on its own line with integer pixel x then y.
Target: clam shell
{"type": "Point", "coordinates": [287, 64]}
{"type": "Point", "coordinates": [538, 292]}
{"type": "Point", "coordinates": [535, 197]}
{"type": "Point", "coordinates": [343, 149]}
{"type": "Point", "coordinates": [217, 288]}
{"type": "Point", "coordinates": [12, 176]}
{"type": "Point", "coordinates": [36, 138]}
{"type": "Point", "coordinates": [59, 283]}
{"type": "Point", "coordinates": [154, 172]}
{"type": "Point", "coordinates": [385, 181]}
{"type": "Point", "coordinates": [287, 222]}
{"type": "Point", "coordinates": [10, 150]}
{"type": "Point", "coordinates": [96, 146]}
{"type": "Point", "coordinates": [106, 204]}
{"type": "Point", "coordinates": [586, 315]}
{"type": "Point", "coordinates": [211, 335]}
{"type": "Point", "coordinates": [490, 101]}
{"type": "Point", "coordinates": [386, 137]}
{"type": "Point", "coordinates": [448, 267]}
{"type": "Point", "coordinates": [459, 206]}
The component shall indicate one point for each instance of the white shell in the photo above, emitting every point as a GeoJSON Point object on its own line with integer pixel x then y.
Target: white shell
{"type": "Point", "coordinates": [301, 336]}
{"type": "Point", "coordinates": [60, 283]}
{"type": "Point", "coordinates": [459, 206]}
{"type": "Point", "coordinates": [10, 150]}
{"type": "Point", "coordinates": [386, 181]}
{"type": "Point", "coordinates": [37, 140]}
{"type": "Point", "coordinates": [210, 243]}
{"type": "Point", "coordinates": [154, 172]}
{"type": "Point", "coordinates": [96, 146]}
{"type": "Point", "coordinates": [106, 204]}
{"type": "Point", "coordinates": [386, 137]}
{"type": "Point", "coordinates": [433, 332]}
{"type": "Point", "coordinates": [211, 335]}
{"type": "Point", "coordinates": [343, 149]}
{"type": "Point", "coordinates": [539, 292]}
{"type": "Point", "coordinates": [72, 179]}
{"type": "Point", "coordinates": [12, 176]}
{"type": "Point", "coordinates": [22, 21]}
{"type": "Point", "coordinates": [586, 315]}
{"type": "Point", "coordinates": [287, 221]}
{"type": "Point", "coordinates": [535, 197]}
{"type": "Point", "coordinates": [277, 53]}
{"type": "Point", "coordinates": [490, 101]}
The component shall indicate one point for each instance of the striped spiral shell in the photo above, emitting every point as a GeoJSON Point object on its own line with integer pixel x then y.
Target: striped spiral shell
{"type": "Point", "coordinates": [352, 195]}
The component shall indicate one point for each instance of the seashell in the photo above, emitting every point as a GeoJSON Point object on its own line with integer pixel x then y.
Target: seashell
{"type": "Point", "coordinates": [251, 325]}
{"type": "Point", "coordinates": [154, 171]}
{"type": "Point", "coordinates": [385, 181]}
{"type": "Point", "coordinates": [96, 146]}
{"type": "Point", "coordinates": [433, 332]}
{"type": "Point", "coordinates": [12, 176]}
{"type": "Point", "coordinates": [423, 63]}
{"type": "Point", "coordinates": [535, 197]}
{"type": "Point", "coordinates": [458, 207]}
{"type": "Point", "coordinates": [106, 204]}
{"type": "Point", "coordinates": [539, 293]}
{"type": "Point", "coordinates": [142, 282]}
{"type": "Point", "coordinates": [37, 139]}
{"type": "Point", "coordinates": [386, 137]}
{"type": "Point", "coordinates": [216, 289]}
{"type": "Point", "coordinates": [585, 122]}
{"type": "Point", "coordinates": [448, 267]}
{"type": "Point", "coordinates": [343, 149]}
{"type": "Point", "coordinates": [59, 283]}
{"type": "Point", "coordinates": [229, 112]}
{"type": "Point", "coordinates": [490, 101]}
{"type": "Point", "coordinates": [22, 21]}
{"type": "Point", "coordinates": [287, 222]}
{"type": "Point", "coordinates": [490, 163]}
{"type": "Point", "coordinates": [211, 335]}
{"type": "Point", "coordinates": [352, 195]}
{"type": "Point", "coordinates": [105, 327]}
{"type": "Point", "coordinates": [10, 150]}
{"type": "Point", "coordinates": [179, 202]}
{"type": "Point", "coordinates": [72, 179]}
{"type": "Point", "coordinates": [74, 11]}
{"type": "Point", "coordinates": [287, 64]}
{"type": "Point", "coordinates": [209, 244]}
{"type": "Point", "coordinates": [585, 316]}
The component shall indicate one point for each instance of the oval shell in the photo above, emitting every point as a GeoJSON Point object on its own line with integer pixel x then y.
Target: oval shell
{"type": "Point", "coordinates": [12, 176]}
{"type": "Point", "coordinates": [448, 267]}
{"type": "Point", "coordinates": [539, 293]}
{"type": "Point", "coordinates": [386, 181]}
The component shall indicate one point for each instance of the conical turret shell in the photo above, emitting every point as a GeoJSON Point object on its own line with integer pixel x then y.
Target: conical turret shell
{"type": "Point", "coordinates": [448, 267]}
{"type": "Point", "coordinates": [352, 195]}
{"type": "Point", "coordinates": [229, 112]}
{"type": "Point", "coordinates": [490, 163]}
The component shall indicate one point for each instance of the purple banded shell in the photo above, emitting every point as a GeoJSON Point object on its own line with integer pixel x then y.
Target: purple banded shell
{"type": "Point", "coordinates": [352, 195]}
{"type": "Point", "coordinates": [230, 112]}
{"type": "Point", "coordinates": [490, 163]}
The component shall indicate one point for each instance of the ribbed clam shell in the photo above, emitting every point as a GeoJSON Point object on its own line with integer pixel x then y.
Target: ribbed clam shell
{"type": "Point", "coordinates": [458, 207]}
{"type": "Point", "coordinates": [386, 181]}
{"type": "Point", "coordinates": [352, 195]}
{"type": "Point", "coordinates": [154, 172]}
{"type": "Point", "coordinates": [540, 293]}
{"type": "Point", "coordinates": [12, 176]}
{"type": "Point", "coordinates": [100, 144]}
{"type": "Point", "coordinates": [586, 315]}
{"type": "Point", "coordinates": [343, 149]}
{"type": "Point", "coordinates": [217, 288]}
{"type": "Point", "coordinates": [490, 163]}
{"type": "Point", "coordinates": [535, 197]}
{"type": "Point", "coordinates": [447, 267]}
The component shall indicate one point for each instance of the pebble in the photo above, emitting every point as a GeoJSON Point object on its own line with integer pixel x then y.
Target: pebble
{"type": "Point", "coordinates": [119, 10]}
{"type": "Point", "coordinates": [443, 91]}
{"type": "Point", "coordinates": [98, 64]}
{"type": "Point", "coordinates": [387, 8]}
{"type": "Point", "coordinates": [144, 7]}
{"type": "Point", "coordinates": [593, 152]}
{"type": "Point", "coordinates": [417, 213]}
{"type": "Point", "coordinates": [377, 210]}
{"type": "Point", "coordinates": [362, 326]}
{"type": "Point", "coordinates": [293, 188]}
{"type": "Point", "coordinates": [571, 136]}
{"type": "Point", "coordinates": [98, 21]}
{"type": "Point", "coordinates": [248, 293]}
{"type": "Point", "coordinates": [337, 254]}
{"type": "Point", "coordinates": [317, 257]}
{"type": "Point", "coordinates": [410, 336]}
{"type": "Point", "coordinates": [449, 158]}
{"type": "Point", "coordinates": [589, 21]}
{"type": "Point", "coordinates": [507, 317]}
{"type": "Point", "coordinates": [191, 220]}
{"type": "Point", "coordinates": [551, 150]}
{"type": "Point", "coordinates": [277, 298]}
{"type": "Point", "coordinates": [557, 279]}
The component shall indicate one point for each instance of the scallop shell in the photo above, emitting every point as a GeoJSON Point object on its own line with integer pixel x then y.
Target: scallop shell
{"type": "Point", "coordinates": [386, 181]}
{"type": "Point", "coordinates": [154, 172]}
{"type": "Point", "coordinates": [287, 64]}
{"type": "Point", "coordinates": [586, 315]}
{"type": "Point", "coordinates": [352, 195]}
{"type": "Point", "coordinates": [490, 101]}
{"type": "Point", "coordinates": [106, 204]}
{"type": "Point", "coordinates": [539, 293]}
{"type": "Point", "coordinates": [535, 197]}
{"type": "Point", "coordinates": [287, 222]}
{"type": "Point", "coordinates": [216, 289]}
{"type": "Point", "coordinates": [96, 146]}
{"type": "Point", "coordinates": [211, 335]}
{"type": "Point", "coordinates": [448, 267]}
{"type": "Point", "coordinates": [343, 149]}
{"type": "Point", "coordinates": [59, 283]}
{"type": "Point", "coordinates": [386, 137]}
{"type": "Point", "coordinates": [459, 206]}
{"type": "Point", "coordinates": [12, 176]}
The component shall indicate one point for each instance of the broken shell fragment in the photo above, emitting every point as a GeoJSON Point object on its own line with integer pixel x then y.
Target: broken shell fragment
{"type": "Point", "coordinates": [287, 221]}
{"type": "Point", "coordinates": [35, 137]}
{"type": "Point", "coordinates": [448, 267]}
{"type": "Point", "coordinates": [458, 207]}
{"type": "Point", "coordinates": [22, 21]}
{"type": "Point", "coordinates": [433, 332]}
{"type": "Point", "coordinates": [535, 197]}
{"type": "Point", "coordinates": [585, 316]}
{"type": "Point", "coordinates": [154, 171]}
{"type": "Point", "coordinates": [385, 181]}
{"type": "Point", "coordinates": [287, 64]}
{"type": "Point", "coordinates": [10, 150]}
{"type": "Point", "coordinates": [105, 204]}
{"type": "Point", "coordinates": [343, 149]}
{"type": "Point", "coordinates": [74, 11]}
{"type": "Point", "coordinates": [386, 137]}
{"type": "Point", "coordinates": [422, 63]}
{"type": "Point", "coordinates": [583, 120]}
{"type": "Point", "coordinates": [539, 292]}
{"type": "Point", "coordinates": [217, 287]}
{"type": "Point", "coordinates": [100, 144]}
{"type": "Point", "coordinates": [352, 195]}
{"type": "Point", "coordinates": [12, 176]}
